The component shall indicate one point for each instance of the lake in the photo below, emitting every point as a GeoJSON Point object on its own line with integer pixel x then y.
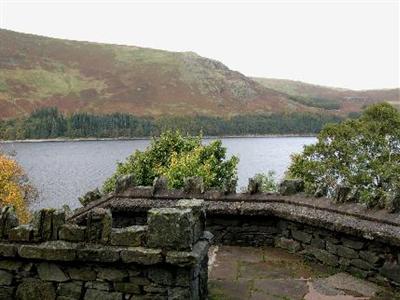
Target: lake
{"type": "Point", "coordinates": [63, 171]}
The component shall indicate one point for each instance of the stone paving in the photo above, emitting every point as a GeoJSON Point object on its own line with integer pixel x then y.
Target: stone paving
{"type": "Point", "coordinates": [272, 274]}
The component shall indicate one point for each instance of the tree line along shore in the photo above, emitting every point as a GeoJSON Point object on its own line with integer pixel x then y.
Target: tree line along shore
{"type": "Point", "coordinates": [51, 124]}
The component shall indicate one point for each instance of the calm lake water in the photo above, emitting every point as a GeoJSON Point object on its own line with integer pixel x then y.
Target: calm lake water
{"type": "Point", "coordinates": [63, 171]}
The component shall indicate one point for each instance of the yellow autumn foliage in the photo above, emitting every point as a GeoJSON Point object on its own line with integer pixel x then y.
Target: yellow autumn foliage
{"type": "Point", "coordinates": [12, 192]}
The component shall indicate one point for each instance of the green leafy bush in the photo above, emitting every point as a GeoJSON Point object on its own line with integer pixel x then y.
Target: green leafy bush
{"type": "Point", "coordinates": [177, 157]}
{"type": "Point", "coordinates": [361, 154]}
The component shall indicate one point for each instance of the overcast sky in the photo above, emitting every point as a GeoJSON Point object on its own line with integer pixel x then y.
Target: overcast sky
{"type": "Point", "coordinates": [353, 44]}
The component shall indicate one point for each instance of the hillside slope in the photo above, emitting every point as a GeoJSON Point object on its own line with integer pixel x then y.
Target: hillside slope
{"type": "Point", "coordinates": [37, 71]}
{"type": "Point", "coordinates": [347, 100]}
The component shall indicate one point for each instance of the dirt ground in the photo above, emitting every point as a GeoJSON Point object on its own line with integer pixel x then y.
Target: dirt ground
{"type": "Point", "coordinates": [272, 274]}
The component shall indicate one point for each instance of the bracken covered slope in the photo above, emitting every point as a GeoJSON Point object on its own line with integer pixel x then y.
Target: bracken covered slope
{"type": "Point", "coordinates": [37, 71]}
{"type": "Point", "coordinates": [347, 100]}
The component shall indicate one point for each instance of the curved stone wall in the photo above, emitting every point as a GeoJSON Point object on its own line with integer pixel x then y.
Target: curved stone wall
{"type": "Point", "coordinates": [346, 236]}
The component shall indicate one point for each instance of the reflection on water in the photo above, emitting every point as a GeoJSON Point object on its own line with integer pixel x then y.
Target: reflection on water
{"type": "Point", "coordinates": [63, 171]}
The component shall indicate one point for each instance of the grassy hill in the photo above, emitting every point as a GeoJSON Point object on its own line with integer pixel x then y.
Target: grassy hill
{"type": "Point", "coordinates": [328, 97]}
{"type": "Point", "coordinates": [76, 76]}
{"type": "Point", "coordinates": [36, 71]}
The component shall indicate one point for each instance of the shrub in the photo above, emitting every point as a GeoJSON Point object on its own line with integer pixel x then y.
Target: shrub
{"type": "Point", "coordinates": [14, 190]}
{"type": "Point", "coordinates": [361, 154]}
{"type": "Point", "coordinates": [177, 157]}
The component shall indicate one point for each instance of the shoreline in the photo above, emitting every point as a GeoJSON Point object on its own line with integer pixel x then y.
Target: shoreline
{"type": "Point", "coordinates": [64, 140]}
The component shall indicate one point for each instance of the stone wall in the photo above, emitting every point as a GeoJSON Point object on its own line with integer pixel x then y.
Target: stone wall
{"type": "Point", "coordinates": [52, 259]}
{"type": "Point", "coordinates": [369, 259]}
{"type": "Point", "coordinates": [341, 235]}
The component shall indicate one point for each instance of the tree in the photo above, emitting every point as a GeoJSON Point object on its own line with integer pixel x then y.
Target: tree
{"type": "Point", "coordinates": [362, 155]}
{"type": "Point", "coordinates": [177, 157]}
{"type": "Point", "coordinates": [13, 187]}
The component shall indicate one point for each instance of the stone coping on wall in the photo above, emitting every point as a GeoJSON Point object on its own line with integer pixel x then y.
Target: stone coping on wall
{"type": "Point", "coordinates": [68, 252]}
{"type": "Point", "coordinates": [173, 235]}
{"type": "Point", "coordinates": [349, 218]}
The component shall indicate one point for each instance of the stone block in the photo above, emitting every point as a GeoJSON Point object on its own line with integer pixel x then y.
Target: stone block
{"type": "Point", "coordinates": [371, 257]}
{"type": "Point", "coordinates": [8, 220]}
{"type": "Point", "coordinates": [318, 243]}
{"type": "Point", "coordinates": [302, 236]}
{"type": "Point", "coordinates": [92, 294]}
{"type": "Point", "coordinates": [67, 298]}
{"type": "Point", "coordinates": [354, 244]}
{"type": "Point", "coordinates": [291, 186]}
{"type": "Point", "coordinates": [97, 253]}
{"type": "Point", "coordinates": [188, 258]}
{"type": "Point", "coordinates": [10, 265]}
{"type": "Point", "coordinates": [36, 222]}
{"type": "Point", "coordinates": [141, 255]}
{"type": "Point", "coordinates": [138, 280]}
{"type": "Point", "coordinates": [124, 182]}
{"type": "Point", "coordinates": [199, 215]}
{"type": "Point", "coordinates": [332, 248]}
{"type": "Point", "coordinates": [21, 233]}
{"type": "Point", "coordinates": [46, 223]}
{"type": "Point", "coordinates": [361, 264]}
{"type": "Point", "coordinates": [51, 272]}
{"type": "Point", "coordinates": [99, 225]}
{"type": "Point", "coordinates": [72, 233]}
{"type": "Point", "coordinates": [178, 293]}
{"type": "Point", "coordinates": [346, 252]}
{"type": "Point", "coordinates": [6, 278]}
{"type": "Point", "coordinates": [193, 186]}
{"type": "Point", "coordinates": [331, 239]}
{"type": "Point", "coordinates": [344, 262]}
{"type": "Point", "coordinates": [81, 273]}
{"type": "Point", "coordinates": [71, 289]}
{"type": "Point", "coordinates": [6, 292]}
{"type": "Point", "coordinates": [53, 250]}
{"type": "Point", "coordinates": [111, 274]}
{"type": "Point", "coordinates": [46, 226]}
{"type": "Point", "coordinates": [98, 285]}
{"type": "Point", "coordinates": [127, 288]}
{"type": "Point", "coordinates": [254, 186]}
{"type": "Point", "coordinates": [156, 289]}
{"type": "Point", "coordinates": [161, 276]}
{"type": "Point", "coordinates": [391, 270]}
{"type": "Point", "coordinates": [31, 288]}
{"type": "Point", "coordinates": [160, 185]}
{"type": "Point", "coordinates": [323, 256]}
{"type": "Point", "coordinates": [288, 244]}
{"type": "Point", "coordinates": [185, 276]}
{"type": "Point", "coordinates": [8, 250]}
{"type": "Point", "coordinates": [57, 222]}
{"type": "Point", "coordinates": [132, 236]}
{"type": "Point", "coordinates": [170, 228]}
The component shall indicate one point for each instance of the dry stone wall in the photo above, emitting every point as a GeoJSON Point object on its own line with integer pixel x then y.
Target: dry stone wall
{"type": "Point", "coordinates": [363, 257]}
{"type": "Point", "coordinates": [166, 258]}
{"type": "Point", "coordinates": [346, 236]}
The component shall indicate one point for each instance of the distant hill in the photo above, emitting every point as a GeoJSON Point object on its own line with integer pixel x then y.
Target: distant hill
{"type": "Point", "coordinates": [76, 76]}
{"type": "Point", "coordinates": [335, 98]}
